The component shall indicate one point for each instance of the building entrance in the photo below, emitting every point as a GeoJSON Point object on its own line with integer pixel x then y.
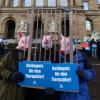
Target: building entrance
{"type": "Point", "coordinates": [9, 29]}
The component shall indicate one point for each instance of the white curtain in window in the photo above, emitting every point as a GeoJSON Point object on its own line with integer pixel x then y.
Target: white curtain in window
{"type": "Point", "coordinates": [88, 25]}
{"type": "Point", "coordinates": [39, 3]}
{"type": "Point", "coordinates": [27, 3]}
{"type": "Point", "coordinates": [64, 3]}
{"type": "Point", "coordinates": [52, 3]}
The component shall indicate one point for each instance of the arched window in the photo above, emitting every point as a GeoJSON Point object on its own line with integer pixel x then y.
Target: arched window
{"type": "Point", "coordinates": [88, 25]}
{"type": "Point", "coordinates": [86, 5]}
{"type": "Point", "coordinates": [14, 3]}
{"type": "Point", "coordinates": [64, 3]}
{"type": "Point", "coordinates": [10, 29]}
{"type": "Point", "coordinates": [38, 29]}
{"type": "Point", "coordinates": [27, 3]}
{"type": "Point", "coordinates": [51, 3]}
{"type": "Point", "coordinates": [39, 3]}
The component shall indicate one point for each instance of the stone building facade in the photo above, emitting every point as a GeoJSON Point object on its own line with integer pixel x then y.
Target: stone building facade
{"type": "Point", "coordinates": [86, 17]}
{"type": "Point", "coordinates": [86, 20]}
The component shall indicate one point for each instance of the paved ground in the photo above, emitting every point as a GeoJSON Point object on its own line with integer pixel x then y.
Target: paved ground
{"type": "Point", "coordinates": [94, 85]}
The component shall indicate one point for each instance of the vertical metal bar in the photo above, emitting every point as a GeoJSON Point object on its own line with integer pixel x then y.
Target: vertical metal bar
{"type": "Point", "coordinates": [76, 34]}
{"type": "Point", "coordinates": [60, 33]}
{"type": "Point", "coordinates": [65, 33]}
{"type": "Point", "coordinates": [51, 15]}
{"type": "Point", "coordinates": [46, 33]}
{"type": "Point", "coordinates": [41, 34]}
{"type": "Point", "coordinates": [71, 32]}
{"type": "Point", "coordinates": [55, 34]}
{"type": "Point", "coordinates": [37, 21]}
{"type": "Point", "coordinates": [31, 33]}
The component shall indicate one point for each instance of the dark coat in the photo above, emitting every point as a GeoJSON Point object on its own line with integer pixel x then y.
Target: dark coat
{"type": "Point", "coordinates": [8, 89]}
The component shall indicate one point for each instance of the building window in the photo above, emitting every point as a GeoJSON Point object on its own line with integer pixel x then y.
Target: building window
{"type": "Point", "coordinates": [98, 1]}
{"type": "Point", "coordinates": [64, 3]}
{"type": "Point", "coordinates": [27, 3]}
{"type": "Point", "coordinates": [39, 3]}
{"type": "Point", "coordinates": [51, 3]}
{"type": "Point", "coordinates": [88, 25]}
{"type": "Point", "coordinates": [14, 3]}
{"type": "Point", "coordinates": [86, 5]}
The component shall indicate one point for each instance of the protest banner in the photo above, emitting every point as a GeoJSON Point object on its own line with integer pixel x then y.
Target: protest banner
{"type": "Point", "coordinates": [42, 74]}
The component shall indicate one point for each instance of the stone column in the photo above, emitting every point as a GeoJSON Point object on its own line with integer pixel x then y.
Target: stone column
{"type": "Point", "coordinates": [71, 2]}
{"type": "Point", "coordinates": [58, 3]}
{"type": "Point", "coordinates": [20, 3]}
{"type": "Point", "coordinates": [32, 3]}
{"type": "Point", "coordinates": [7, 3]}
{"type": "Point", "coordinates": [79, 4]}
{"type": "Point", "coordinates": [1, 2]}
{"type": "Point", "coordinates": [93, 5]}
{"type": "Point", "coordinates": [45, 3]}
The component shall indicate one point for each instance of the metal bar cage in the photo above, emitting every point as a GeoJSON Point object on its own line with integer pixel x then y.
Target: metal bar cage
{"type": "Point", "coordinates": [52, 23]}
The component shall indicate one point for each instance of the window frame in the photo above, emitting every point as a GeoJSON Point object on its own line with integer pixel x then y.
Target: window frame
{"type": "Point", "coordinates": [85, 7]}
{"type": "Point", "coordinates": [39, 5]}
{"type": "Point", "coordinates": [25, 2]}
{"type": "Point", "coordinates": [67, 3]}
{"type": "Point", "coordinates": [13, 3]}
{"type": "Point", "coordinates": [88, 25]}
{"type": "Point", "coordinates": [51, 4]}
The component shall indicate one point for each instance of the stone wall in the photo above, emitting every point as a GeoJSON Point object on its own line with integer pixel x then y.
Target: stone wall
{"type": "Point", "coordinates": [20, 12]}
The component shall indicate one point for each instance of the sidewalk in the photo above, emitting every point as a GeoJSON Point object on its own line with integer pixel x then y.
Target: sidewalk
{"type": "Point", "coordinates": [94, 85]}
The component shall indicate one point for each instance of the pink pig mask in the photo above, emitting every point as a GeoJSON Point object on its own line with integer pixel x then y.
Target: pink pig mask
{"type": "Point", "coordinates": [23, 43]}
{"type": "Point", "coordinates": [47, 42]}
{"type": "Point", "coordinates": [65, 44]}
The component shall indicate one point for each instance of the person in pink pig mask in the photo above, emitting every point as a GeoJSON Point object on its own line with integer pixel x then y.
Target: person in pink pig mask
{"type": "Point", "coordinates": [84, 71]}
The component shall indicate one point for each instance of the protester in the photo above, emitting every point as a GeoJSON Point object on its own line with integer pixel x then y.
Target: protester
{"type": "Point", "coordinates": [44, 53]}
{"type": "Point", "coordinates": [93, 46]}
{"type": "Point", "coordinates": [1, 47]}
{"type": "Point", "coordinates": [98, 48]}
{"type": "Point", "coordinates": [84, 71]}
{"type": "Point", "coordinates": [10, 76]}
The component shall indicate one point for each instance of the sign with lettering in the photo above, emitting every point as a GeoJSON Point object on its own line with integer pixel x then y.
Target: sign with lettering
{"type": "Point", "coordinates": [42, 74]}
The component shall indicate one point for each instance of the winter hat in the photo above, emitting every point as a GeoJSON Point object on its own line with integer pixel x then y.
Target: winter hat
{"type": "Point", "coordinates": [47, 41]}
